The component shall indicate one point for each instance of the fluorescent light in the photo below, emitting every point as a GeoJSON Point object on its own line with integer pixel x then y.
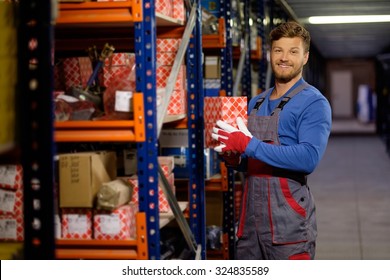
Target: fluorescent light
{"type": "Point", "coordinates": [348, 19]}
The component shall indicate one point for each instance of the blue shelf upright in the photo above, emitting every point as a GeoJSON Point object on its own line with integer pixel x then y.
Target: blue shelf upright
{"type": "Point", "coordinates": [195, 118]}
{"type": "Point", "coordinates": [227, 86]}
{"type": "Point", "coordinates": [145, 51]}
{"type": "Point", "coordinates": [246, 81]}
{"type": "Point", "coordinates": [260, 24]}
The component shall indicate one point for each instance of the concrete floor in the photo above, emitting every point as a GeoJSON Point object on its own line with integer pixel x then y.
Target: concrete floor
{"type": "Point", "coordinates": [351, 187]}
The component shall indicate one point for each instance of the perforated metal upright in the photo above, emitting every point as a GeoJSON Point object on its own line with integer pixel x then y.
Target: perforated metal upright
{"type": "Point", "coordinates": [227, 86]}
{"type": "Point", "coordinates": [35, 86]}
{"type": "Point", "coordinates": [246, 81]}
{"type": "Point", "coordinates": [195, 103]}
{"type": "Point", "coordinates": [260, 25]}
{"type": "Point", "coordinates": [145, 51]}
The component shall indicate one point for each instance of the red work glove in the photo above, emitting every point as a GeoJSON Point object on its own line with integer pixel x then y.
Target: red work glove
{"type": "Point", "coordinates": [232, 139]}
{"type": "Point", "coordinates": [235, 141]}
{"type": "Point", "coordinates": [231, 158]}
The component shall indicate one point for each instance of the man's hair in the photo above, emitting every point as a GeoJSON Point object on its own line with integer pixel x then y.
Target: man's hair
{"type": "Point", "coordinates": [291, 29]}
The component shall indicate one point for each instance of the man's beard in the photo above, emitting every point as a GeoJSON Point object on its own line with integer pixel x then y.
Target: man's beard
{"type": "Point", "coordinates": [286, 77]}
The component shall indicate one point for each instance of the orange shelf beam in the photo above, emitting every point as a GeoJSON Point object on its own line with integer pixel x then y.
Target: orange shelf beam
{"type": "Point", "coordinates": [96, 254]}
{"type": "Point", "coordinates": [94, 136]}
{"type": "Point", "coordinates": [106, 249]}
{"type": "Point", "coordinates": [218, 40]}
{"type": "Point", "coordinates": [105, 131]}
{"type": "Point", "coordinates": [97, 12]}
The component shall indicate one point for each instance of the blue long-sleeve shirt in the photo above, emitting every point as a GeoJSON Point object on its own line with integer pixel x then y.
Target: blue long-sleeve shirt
{"type": "Point", "coordinates": [304, 128]}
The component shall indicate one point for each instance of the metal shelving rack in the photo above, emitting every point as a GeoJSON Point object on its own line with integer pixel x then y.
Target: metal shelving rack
{"type": "Point", "coordinates": [35, 98]}
{"type": "Point", "coordinates": [260, 26]}
{"type": "Point", "coordinates": [38, 127]}
{"type": "Point", "coordinates": [227, 88]}
{"type": "Point", "coordinates": [246, 81]}
{"type": "Point", "coordinates": [195, 122]}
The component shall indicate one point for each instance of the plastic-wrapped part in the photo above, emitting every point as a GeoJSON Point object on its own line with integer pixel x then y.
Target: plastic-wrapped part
{"type": "Point", "coordinates": [117, 98]}
{"type": "Point", "coordinates": [71, 108]}
{"type": "Point", "coordinates": [113, 194]}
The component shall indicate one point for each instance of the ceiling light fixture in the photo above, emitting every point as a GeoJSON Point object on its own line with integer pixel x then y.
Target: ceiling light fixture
{"type": "Point", "coordinates": [348, 19]}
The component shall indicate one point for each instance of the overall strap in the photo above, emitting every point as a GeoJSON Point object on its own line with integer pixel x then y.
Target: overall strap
{"type": "Point", "coordinates": [260, 101]}
{"type": "Point", "coordinates": [287, 98]}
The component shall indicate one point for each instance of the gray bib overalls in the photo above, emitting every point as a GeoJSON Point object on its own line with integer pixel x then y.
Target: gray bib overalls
{"type": "Point", "coordinates": [277, 219]}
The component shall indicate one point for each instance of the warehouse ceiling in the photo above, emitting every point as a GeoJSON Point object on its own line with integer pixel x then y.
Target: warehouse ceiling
{"type": "Point", "coordinates": [355, 40]}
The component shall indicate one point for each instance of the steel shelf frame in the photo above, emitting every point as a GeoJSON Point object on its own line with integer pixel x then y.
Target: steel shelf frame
{"type": "Point", "coordinates": [246, 81]}
{"type": "Point", "coordinates": [145, 46]}
{"type": "Point", "coordinates": [35, 34]}
{"type": "Point", "coordinates": [260, 26]}
{"type": "Point", "coordinates": [195, 121]}
{"type": "Point", "coordinates": [227, 88]}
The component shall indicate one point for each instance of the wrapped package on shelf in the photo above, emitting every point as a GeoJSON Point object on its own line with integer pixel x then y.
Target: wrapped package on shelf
{"type": "Point", "coordinates": [115, 64]}
{"type": "Point", "coordinates": [11, 228]}
{"type": "Point", "coordinates": [113, 194]}
{"type": "Point", "coordinates": [119, 76]}
{"type": "Point", "coordinates": [11, 202]}
{"type": "Point", "coordinates": [179, 11]}
{"type": "Point", "coordinates": [119, 224]}
{"type": "Point", "coordinates": [167, 164]}
{"type": "Point", "coordinates": [225, 108]}
{"type": "Point", "coordinates": [11, 176]}
{"type": "Point", "coordinates": [11, 206]}
{"type": "Point", "coordinates": [167, 45]}
{"type": "Point", "coordinates": [177, 103]}
{"type": "Point", "coordinates": [71, 108]}
{"type": "Point", "coordinates": [75, 71]}
{"type": "Point", "coordinates": [164, 7]}
{"type": "Point", "coordinates": [76, 223]}
{"type": "Point", "coordinates": [162, 75]}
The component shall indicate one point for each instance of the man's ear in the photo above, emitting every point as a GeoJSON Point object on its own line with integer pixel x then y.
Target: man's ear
{"type": "Point", "coordinates": [306, 57]}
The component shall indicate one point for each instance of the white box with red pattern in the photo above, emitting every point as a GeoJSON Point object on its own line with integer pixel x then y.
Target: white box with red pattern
{"type": "Point", "coordinates": [11, 227]}
{"type": "Point", "coordinates": [119, 224]}
{"type": "Point", "coordinates": [76, 71]}
{"type": "Point", "coordinates": [76, 223]}
{"type": "Point", "coordinates": [225, 108]}
{"type": "Point", "coordinates": [11, 207]}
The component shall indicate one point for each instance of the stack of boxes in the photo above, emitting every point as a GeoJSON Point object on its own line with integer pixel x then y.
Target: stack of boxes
{"type": "Point", "coordinates": [171, 8]}
{"type": "Point", "coordinates": [82, 176]}
{"type": "Point", "coordinates": [11, 206]}
{"type": "Point", "coordinates": [166, 54]}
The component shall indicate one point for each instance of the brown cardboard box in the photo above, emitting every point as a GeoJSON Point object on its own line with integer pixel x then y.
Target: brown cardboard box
{"type": "Point", "coordinates": [212, 68]}
{"type": "Point", "coordinates": [82, 174]}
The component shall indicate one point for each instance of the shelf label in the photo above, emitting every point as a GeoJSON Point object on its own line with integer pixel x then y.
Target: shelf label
{"type": "Point", "coordinates": [110, 224]}
{"type": "Point", "coordinates": [77, 223]}
{"type": "Point", "coordinates": [122, 101]}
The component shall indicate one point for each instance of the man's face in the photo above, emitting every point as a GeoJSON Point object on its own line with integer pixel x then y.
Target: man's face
{"type": "Point", "coordinates": [288, 57]}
